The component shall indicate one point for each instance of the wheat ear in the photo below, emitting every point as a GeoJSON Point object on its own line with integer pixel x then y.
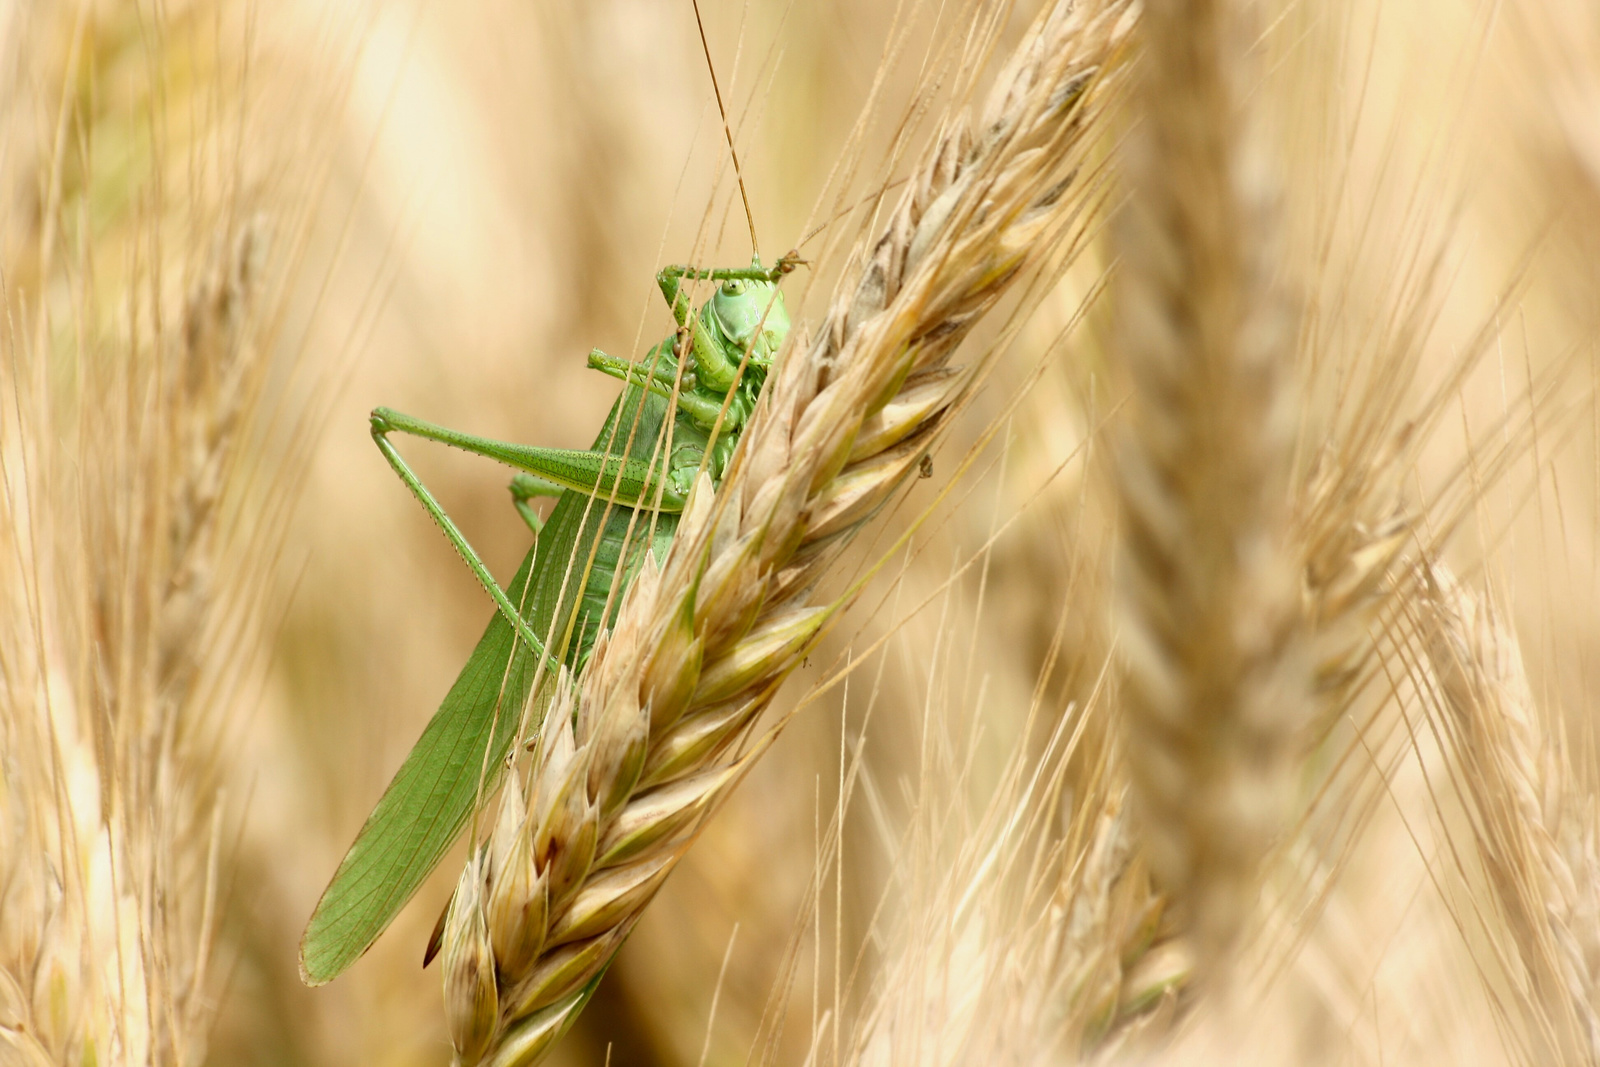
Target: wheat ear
{"type": "Point", "coordinates": [1216, 682]}
{"type": "Point", "coordinates": [1507, 772]}
{"type": "Point", "coordinates": [662, 715]}
{"type": "Point", "coordinates": [116, 661]}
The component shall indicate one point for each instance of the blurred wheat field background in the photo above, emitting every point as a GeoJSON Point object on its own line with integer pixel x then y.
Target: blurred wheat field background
{"type": "Point", "coordinates": [229, 231]}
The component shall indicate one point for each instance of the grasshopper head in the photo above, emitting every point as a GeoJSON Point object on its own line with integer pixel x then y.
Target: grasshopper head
{"type": "Point", "coordinates": [751, 315]}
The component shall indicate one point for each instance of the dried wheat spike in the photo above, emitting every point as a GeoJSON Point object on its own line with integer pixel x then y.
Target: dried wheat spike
{"type": "Point", "coordinates": [1217, 684]}
{"type": "Point", "coordinates": [116, 662]}
{"type": "Point", "coordinates": [1351, 529]}
{"type": "Point", "coordinates": [1508, 771]}
{"type": "Point", "coordinates": [660, 723]}
{"type": "Point", "coordinates": [1122, 964]}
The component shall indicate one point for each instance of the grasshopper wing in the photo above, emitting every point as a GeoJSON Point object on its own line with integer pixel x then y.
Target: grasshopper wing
{"type": "Point", "coordinates": [427, 803]}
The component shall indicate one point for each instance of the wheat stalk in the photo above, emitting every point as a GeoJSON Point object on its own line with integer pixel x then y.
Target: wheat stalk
{"type": "Point", "coordinates": [663, 713]}
{"type": "Point", "coordinates": [1508, 772]}
{"type": "Point", "coordinates": [1216, 679]}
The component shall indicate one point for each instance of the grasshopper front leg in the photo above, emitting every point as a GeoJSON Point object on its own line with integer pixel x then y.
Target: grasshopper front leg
{"type": "Point", "coordinates": [657, 381]}
{"type": "Point", "coordinates": [524, 487]}
{"type": "Point", "coordinates": [713, 363]}
{"type": "Point", "coordinates": [668, 278]}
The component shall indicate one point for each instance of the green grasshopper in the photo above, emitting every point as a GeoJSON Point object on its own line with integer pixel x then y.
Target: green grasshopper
{"type": "Point", "coordinates": [613, 503]}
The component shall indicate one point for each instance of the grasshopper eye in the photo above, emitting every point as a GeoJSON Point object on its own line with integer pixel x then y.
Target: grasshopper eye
{"type": "Point", "coordinates": [733, 287]}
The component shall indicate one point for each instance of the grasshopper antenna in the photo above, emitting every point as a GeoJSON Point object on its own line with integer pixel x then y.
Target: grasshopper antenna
{"type": "Point", "coordinates": [727, 132]}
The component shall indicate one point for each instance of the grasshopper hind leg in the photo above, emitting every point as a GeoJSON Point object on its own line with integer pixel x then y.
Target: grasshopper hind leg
{"type": "Point", "coordinates": [385, 422]}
